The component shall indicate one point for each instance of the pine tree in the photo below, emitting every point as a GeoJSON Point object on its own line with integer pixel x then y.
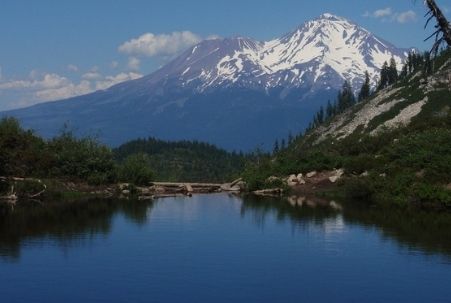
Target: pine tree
{"type": "Point", "coordinates": [282, 145]}
{"type": "Point", "coordinates": [276, 147]}
{"type": "Point", "coordinates": [329, 110]}
{"type": "Point", "coordinates": [365, 90]}
{"type": "Point", "coordinates": [410, 62]}
{"type": "Point", "coordinates": [427, 66]}
{"type": "Point", "coordinates": [346, 97]}
{"type": "Point", "coordinates": [392, 72]}
{"type": "Point", "coordinates": [384, 76]}
{"type": "Point", "coordinates": [404, 72]}
{"type": "Point", "coordinates": [320, 115]}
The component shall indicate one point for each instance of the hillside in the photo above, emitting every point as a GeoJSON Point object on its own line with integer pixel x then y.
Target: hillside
{"type": "Point", "coordinates": [237, 93]}
{"type": "Point", "coordinates": [395, 146]}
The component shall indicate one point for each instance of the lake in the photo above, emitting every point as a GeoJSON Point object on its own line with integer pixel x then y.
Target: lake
{"type": "Point", "coordinates": [222, 248]}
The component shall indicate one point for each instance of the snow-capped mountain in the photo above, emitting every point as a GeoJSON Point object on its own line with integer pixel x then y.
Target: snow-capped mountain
{"type": "Point", "coordinates": [238, 93]}
{"type": "Point", "coordinates": [321, 53]}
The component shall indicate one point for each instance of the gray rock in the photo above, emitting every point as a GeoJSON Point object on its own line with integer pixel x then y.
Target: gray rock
{"type": "Point", "coordinates": [311, 174]}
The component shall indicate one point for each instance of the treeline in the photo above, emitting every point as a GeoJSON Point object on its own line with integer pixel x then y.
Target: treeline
{"type": "Point", "coordinates": [186, 160]}
{"type": "Point", "coordinates": [67, 157]}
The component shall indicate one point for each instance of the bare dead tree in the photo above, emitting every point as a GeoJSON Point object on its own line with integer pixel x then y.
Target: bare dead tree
{"type": "Point", "coordinates": [443, 27]}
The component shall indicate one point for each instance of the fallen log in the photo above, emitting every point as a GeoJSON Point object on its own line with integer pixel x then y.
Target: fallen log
{"type": "Point", "coordinates": [271, 192]}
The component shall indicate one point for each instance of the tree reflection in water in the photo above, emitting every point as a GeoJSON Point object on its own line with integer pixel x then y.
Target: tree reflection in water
{"type": "Point", "coordinates": [414, 230]}
{"type": "Point", "coordinates": [67, 223]}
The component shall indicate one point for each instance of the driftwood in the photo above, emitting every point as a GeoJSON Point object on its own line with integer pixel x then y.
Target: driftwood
{"type": "Point", "coordinates": [271, 192]}
{"type": "Point", "coordinates": [12, 195]}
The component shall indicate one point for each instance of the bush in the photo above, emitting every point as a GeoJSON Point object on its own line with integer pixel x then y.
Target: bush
{"type": "Point", "coordinates": [426, 194]}
{"type": "Point", "coordinates": [136, 169]}
{"type": "Point", "coordinates": [22, 153]}
{"type": "Point", "coordinates": [84, 158]}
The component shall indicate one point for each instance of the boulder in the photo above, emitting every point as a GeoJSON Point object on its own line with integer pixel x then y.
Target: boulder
{"type": "Point", "coordinates": [311, 174]}
{"type": "Point", "coordinates": [339, 172]}
{"type": "Point", "coordinates": [122, 186]}
{"type": "Point", "coordinates": [364, 174]}
{"type": "Point", "coordinates": [189, 188]}
{"type": "Point", "coordinates": [292, 180]}
{"type": "Point", "coordinates": [334, 179]}
{"type": "Point", "coordinates": [336, 175]}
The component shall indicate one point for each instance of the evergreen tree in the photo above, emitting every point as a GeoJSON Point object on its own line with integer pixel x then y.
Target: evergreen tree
{"type": "Point", "coordinates": [365, 90]}
{"type": "Point", "coordinates": [410, 62]}
{"type": "Point", "coordinates": [346, 97]}
{"type": "Point", "coordinates": [276, 147]}
{"type": "Point", "coordinates": [427, 66]}
{"type": "Point", "coordinates": [329, 110]}
{"type": "Point", "coordinates": [404, 72]}
{"type": "Point", "coordinates": [320, 115]}
{"type": "Point", "coordinates": [282, 144]}
{"type": "Point", "coordinates": [392, 72]}
{"type": "Point", "coordinates": [384, 76]}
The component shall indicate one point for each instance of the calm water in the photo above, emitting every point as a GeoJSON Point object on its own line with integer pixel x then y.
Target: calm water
{"type": "Point", "coordinates": [219, 248]}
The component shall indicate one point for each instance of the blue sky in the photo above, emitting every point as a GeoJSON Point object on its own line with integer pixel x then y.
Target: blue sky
{"type": "Point", "coordinates": [52, 49]}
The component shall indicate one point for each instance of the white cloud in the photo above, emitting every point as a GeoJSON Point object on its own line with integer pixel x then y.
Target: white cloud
{"type": "Point", "coordinates": [38, 88]}
{"type": "Point", "coordinates": [151, 45]}
{"type": "Point", "coordinates": [134, 63]}
{"type": "Point", "coordinates": [109, 81]}
{"type": "Point", "coordinates": [381, 13]}
{"type": "Point", "coordinates": [72, 68]}
{"type": "Point", "coordinates": [405, 17]}
{"type": "Point", "coordinates": [1, 74]}
{"type": "Point", "coordinates": [47, 81]}
{"type": "Point", "coordinates": [64, 92]}
{"type": "Point", "coordinates": [114, 64]}
{"type": "Point", "coordinates": [388, 15]}
{"type": "Point", "coordinates": [91, 75]}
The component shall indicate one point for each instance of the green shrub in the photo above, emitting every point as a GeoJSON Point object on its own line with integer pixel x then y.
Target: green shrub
{"type": "Point", "coordinates": [426, 194]}
{"type": "Point", "coordinates": [136, 169]}
{"type": "Point", "coordinates": [85, 159]}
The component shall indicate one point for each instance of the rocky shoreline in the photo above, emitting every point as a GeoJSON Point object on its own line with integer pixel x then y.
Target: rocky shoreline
{"type": "Point", "coordinates": [16, 189]}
